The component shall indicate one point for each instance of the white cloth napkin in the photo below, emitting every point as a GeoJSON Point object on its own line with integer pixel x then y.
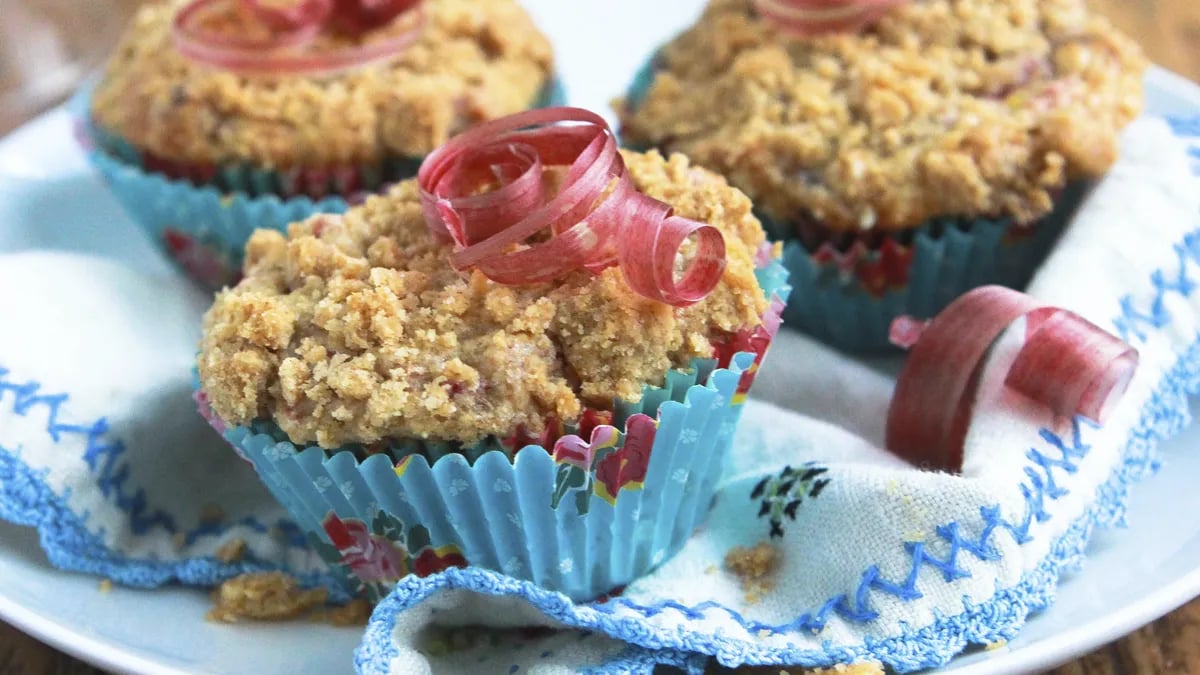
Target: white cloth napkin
{"type": "Point", "coordinates": [101, 450]}
{"type": "Point", "coordinates": [884, 562]}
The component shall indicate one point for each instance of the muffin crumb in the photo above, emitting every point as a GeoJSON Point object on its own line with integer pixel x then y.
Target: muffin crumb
{"type": "Point", "coordinates": [263, 596]}
{"type": "Point", "coordinates": [354, 613]}
{"type": "Point", "coordinates": [231, 551]}
{"type": "Point", "coordinates": [755, 567]}
{"type": "Point", "coordinates": [106, 586]}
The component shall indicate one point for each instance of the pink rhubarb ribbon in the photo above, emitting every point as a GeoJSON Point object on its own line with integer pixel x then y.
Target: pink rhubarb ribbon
{"type": "Point", "coordinates": [812, 17]}
{"type": "Point", "coordinates": [1066, 363]}
{"type": "Point", "coordinates": [290, 27]}
{"type": "Point", "coordinates": [486, 192]}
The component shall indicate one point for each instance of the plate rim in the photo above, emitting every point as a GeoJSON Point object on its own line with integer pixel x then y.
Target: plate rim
{"type": "Point", "coordinates": [1065, 646]}
{"type": "Point", "coordinates": [96, 651]}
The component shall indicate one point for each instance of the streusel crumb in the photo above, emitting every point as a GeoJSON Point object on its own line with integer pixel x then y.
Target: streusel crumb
{"type": "Point", "coordinates": [943, 108]}
{"type": "Point", "coordinates": [231, 551]}
{"type": "Point", "coordinates": [755, 568]}
{"type": "Point", "coordinates": [354, 613]}
{"type": "Point", "coordinates": [356, 329]}
{"type": "Point", "coordinates": [267, 596]}
{"type": "Point", "coordinates": [475, 60]}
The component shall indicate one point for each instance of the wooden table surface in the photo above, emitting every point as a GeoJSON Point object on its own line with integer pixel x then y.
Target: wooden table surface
{"type": "Point", "coordinates": [1170, 32]}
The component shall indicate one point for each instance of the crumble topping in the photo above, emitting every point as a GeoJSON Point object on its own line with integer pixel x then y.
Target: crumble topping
{"type": "Point", "coordinates": [475, 60]}
{"type": "Point", "coordinates": [356, 329]}
{"type": "Point", "coordinates": [755, 568]}
{"type": "Point", "coordinates": [266, 596]}
{"type": "Point", "coordinates": [942, 108]}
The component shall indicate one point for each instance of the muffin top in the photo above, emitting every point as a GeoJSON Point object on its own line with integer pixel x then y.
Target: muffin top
{"type": "Point", "coordinates": [474, 60]}
{"type": "Point", "coordinates": [942, 108]}
{"type": "Point", "coordinates": [355, 329]}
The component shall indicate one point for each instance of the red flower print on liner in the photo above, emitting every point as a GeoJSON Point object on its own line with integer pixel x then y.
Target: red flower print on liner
{"type": "Point", "coordinates": [521, 438]}
{"type": "Point", "coordinates": [431, 560]}
{"type": "Point", "coordinates": [878, 270]}
{"type": "Point", "coordinates": [201, 261]}
{"type": "Point", "coordinates": [371, 557]}
{"type": "Point", "coordinates": [625, 469]}
{"type": "Point", "coordinates": [756, 341]}
{"type": "Point", "coordinates": [591, 420]}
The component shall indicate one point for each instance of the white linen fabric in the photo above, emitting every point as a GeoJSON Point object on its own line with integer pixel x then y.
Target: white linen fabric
{"type": "Point", "coordinates": [101, 450]}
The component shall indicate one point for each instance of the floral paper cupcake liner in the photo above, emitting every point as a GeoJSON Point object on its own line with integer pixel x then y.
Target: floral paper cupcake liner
{"type": "Point", "coordinates": [850, 301]}
{"type": "Point", "coordinates": [204, 228]}
{"type": "Point", "coordinates": [585, 518]}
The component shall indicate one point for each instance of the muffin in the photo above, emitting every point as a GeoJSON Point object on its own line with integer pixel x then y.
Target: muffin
{"type": "Point", "coordinates": [412, 416]}
{"type": "Point", "coordinates": [938, 148]}
{"type": "Point", "coordinates": [216, 117]}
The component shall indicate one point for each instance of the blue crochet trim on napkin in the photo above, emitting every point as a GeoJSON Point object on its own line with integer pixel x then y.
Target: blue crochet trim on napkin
{"type": "Point", "coordinates": [66, 536]}
{"type": "Point", "coordinates": [1000, 618]}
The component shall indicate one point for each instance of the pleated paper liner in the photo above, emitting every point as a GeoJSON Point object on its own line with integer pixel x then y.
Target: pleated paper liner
{"type": "Point", "coordinates": [202, 217]}
{"type": "Point", "coordinates": [852, 308]}
{"type": "Point", "coordinates": [585, 520]}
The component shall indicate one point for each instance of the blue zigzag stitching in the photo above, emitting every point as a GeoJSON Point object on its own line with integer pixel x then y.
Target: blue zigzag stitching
{"type": "Point", "coordinates": [1131, 325]}
{"type": "Point", "coordinates": [1133, 322]}
{"type": "Point", "coordinates": [286, 530]}
{"type": "Point", "coordinates": [1187, 127]}
{"type": "Point", "coordinates": [1184, 126]}
{"type": "Point", "coordinates": [999, 618]}
{"type": "Point", "coordinates": [26, 499]}
{"type": "Point", "coordinates": [102, 455]}
{"type": "Point", "coordinates": [1038, 488]}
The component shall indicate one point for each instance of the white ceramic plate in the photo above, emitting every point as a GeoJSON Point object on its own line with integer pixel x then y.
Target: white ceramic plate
{"type": "Point", "coordinates": [49, 199]}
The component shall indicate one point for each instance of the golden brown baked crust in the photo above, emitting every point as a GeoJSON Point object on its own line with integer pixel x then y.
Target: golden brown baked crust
{"type": "Point", "coordinates": [475, 60]}
{"type": "Point", "coordinates": [943, 108]}
{"type": "Point", "coordinates": [356, 329]}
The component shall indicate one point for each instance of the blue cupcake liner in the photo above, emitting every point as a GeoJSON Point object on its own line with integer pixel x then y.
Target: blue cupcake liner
{"type": "Point", "coordinates": [525, 515]}
{"type": "Point", "coordinates": [204, 228]}
{"type": "Point", "coordinates": [950, 257]}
